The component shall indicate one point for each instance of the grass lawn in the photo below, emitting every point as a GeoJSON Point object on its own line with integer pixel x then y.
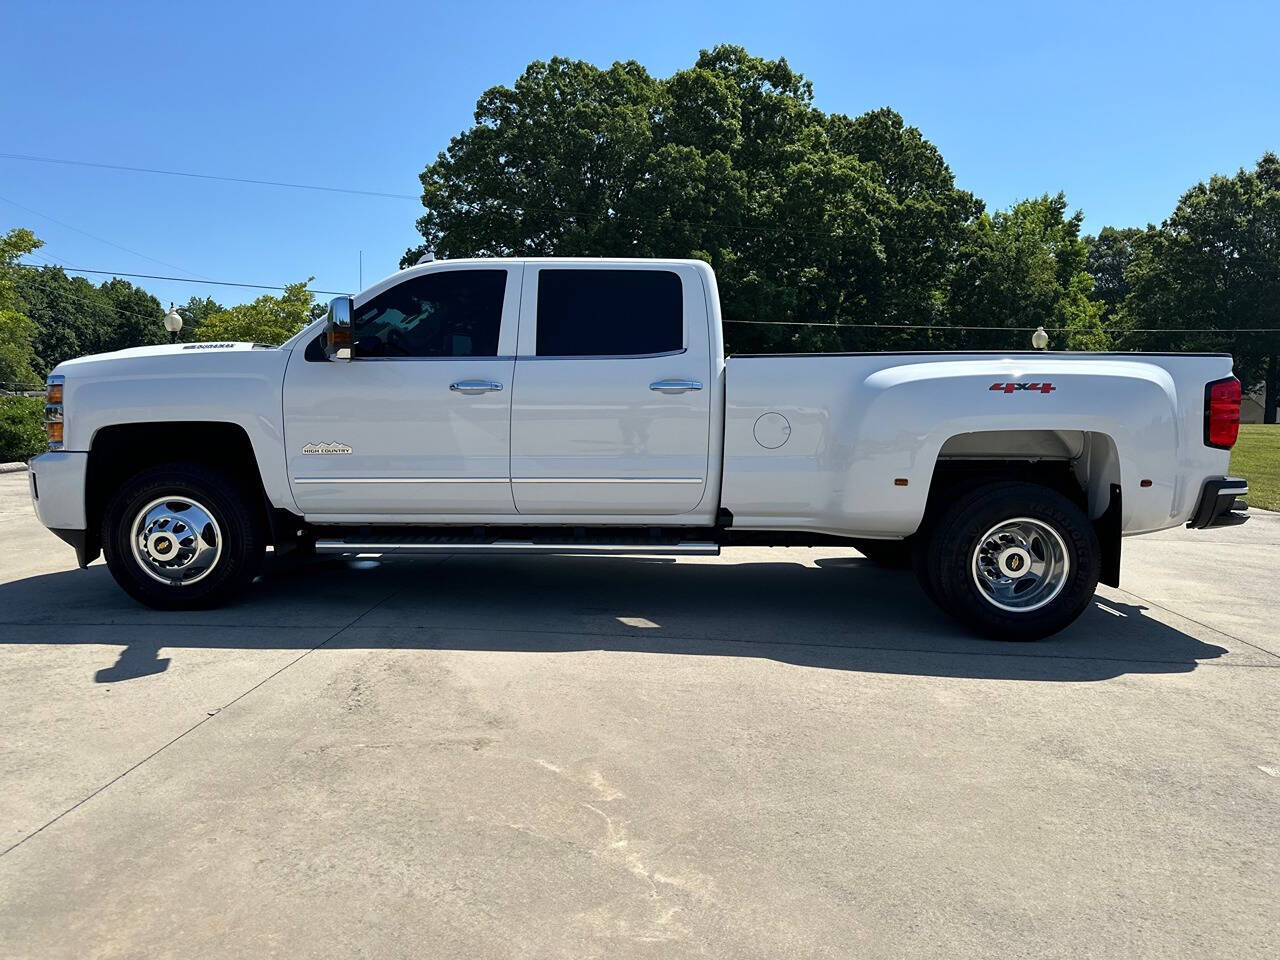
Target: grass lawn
{"type": "Point", "coordinates": [1256, 457]}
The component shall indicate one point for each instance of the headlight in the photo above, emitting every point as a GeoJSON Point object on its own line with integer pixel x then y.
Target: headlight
{"type": "Point", "coordinates": [53, 411]}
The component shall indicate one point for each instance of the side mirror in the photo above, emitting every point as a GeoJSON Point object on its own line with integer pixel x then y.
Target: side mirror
{"type": "Point", "coordinates": [338, 329]}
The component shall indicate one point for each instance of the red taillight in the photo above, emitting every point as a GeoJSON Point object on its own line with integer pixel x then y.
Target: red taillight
{"type": "Point", "coordinates": [1222, 413]}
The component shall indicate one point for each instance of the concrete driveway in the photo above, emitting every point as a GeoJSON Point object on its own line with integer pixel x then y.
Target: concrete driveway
{"type": "Point", "coordinates": [777, 753]}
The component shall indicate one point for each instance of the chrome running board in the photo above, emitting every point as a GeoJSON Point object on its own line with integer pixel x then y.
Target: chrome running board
{"type": "Point", "coordinates": [435, 546]}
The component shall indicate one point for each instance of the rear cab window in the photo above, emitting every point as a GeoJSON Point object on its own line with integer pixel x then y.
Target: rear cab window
{"type": "Point", "coordinates": [609, 313]}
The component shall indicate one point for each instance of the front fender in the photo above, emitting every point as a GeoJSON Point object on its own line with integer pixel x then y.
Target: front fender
{"type": "Point", "coordinates": [244, 388]}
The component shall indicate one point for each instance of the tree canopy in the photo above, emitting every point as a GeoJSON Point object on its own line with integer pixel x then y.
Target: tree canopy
{"type": "Point", "coordinates": [804, 215]}
{"type": "Point", "coordinates": [72, 317]}
{"type": "Point", "coordinates": [1024, 267]}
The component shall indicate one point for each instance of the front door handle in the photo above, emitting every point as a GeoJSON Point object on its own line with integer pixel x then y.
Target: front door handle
{"type": "Point", "coordinates": [675, 386]}
{"type": "Point", "coordinates": [472, 387]}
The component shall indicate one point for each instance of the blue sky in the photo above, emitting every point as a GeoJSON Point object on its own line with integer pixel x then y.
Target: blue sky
{"type": "Point", "coordinates": [1121, 105]}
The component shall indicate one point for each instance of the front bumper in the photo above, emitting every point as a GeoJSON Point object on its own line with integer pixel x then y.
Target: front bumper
{"type": "Point", "coordinates": [57, 489]}
{"type": "Point", "coordinates": [58, 493]}
{"type": "Point", "coordinates": [1218, 504]}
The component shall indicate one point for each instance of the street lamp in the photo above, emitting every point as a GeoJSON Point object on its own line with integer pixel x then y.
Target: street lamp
{"type": "Point", "coordinates": [173, 323]}
{"type": "Point", "coordinates": [1040, 339]}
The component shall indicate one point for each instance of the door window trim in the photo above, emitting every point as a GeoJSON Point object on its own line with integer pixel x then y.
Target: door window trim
{"type": "Point", "coordinates": [608, 356]}
{"type": "Point", "coordinates": [496, 359]}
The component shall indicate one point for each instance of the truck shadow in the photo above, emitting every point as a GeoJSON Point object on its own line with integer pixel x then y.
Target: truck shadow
{"type": "Point", "coordinates": [840, 614]}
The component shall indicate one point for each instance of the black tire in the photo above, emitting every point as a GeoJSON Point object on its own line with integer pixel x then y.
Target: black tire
{"type": "Point", "coordinates": [950, 572]}
{"type": "Point", "coordinates": [236, 535]}
{"type": "Point", "coordinates": [893, 554]}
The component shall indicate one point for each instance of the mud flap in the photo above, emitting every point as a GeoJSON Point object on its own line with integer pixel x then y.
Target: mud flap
{"type": "Point", "coordinates": [1107, 527]}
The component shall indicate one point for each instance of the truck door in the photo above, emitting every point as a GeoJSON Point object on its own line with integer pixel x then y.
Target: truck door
{"type": "Point", "coordinates": [418, 422]}
{"type": "Point", "coordinates": [611, 408]}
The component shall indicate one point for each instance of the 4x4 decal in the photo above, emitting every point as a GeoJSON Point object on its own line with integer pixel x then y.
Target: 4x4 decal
{"type": "Point", "coordinates": [1011, 387]}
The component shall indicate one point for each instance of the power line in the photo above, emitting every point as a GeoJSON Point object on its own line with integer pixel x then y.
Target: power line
{"type": "Point", "coordinates": [493, 207]}
{"type": "Point", "coordinates": [764, 323]}
{"type": "Point", "coordinates": [948, 326]}
{"type": "Point", "coordinates": [92, 236]}
{"type": "Point", "coordinates": [479, 208]}
{"type": "Point", "coordinates": [96, 303]}
{"type": "Point", "coordinates": [883, 326]}
{"type": "Point", "coordinates": [208, 176]}
{"type": "Point", "coordinates": [52, 260]}
{"type": "Point", "coordinates": [482, 208]}
{"type": "Point", "coordinates": [153, 276]}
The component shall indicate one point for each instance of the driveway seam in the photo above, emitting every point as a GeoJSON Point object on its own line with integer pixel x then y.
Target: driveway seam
{"type": "Point", "coordinates": [195, 726]}
{"type": "Point", "coordinates": [1201, 623]}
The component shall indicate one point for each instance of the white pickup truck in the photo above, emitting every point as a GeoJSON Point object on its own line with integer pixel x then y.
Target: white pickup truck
{"type": "Point", "coordinates": [586, 406]}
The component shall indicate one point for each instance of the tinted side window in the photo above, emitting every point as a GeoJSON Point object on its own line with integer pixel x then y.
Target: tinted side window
{"type": "Point", "coordinates": [454, 313]}
{"type": "Point", "coordinates": [591, 313]}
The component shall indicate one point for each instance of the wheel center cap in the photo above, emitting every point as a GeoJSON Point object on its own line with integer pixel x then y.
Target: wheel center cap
{"type": "Point", "coordinates": [1014, 562]}
{"type": "Point", "coordinates": [162, 546]}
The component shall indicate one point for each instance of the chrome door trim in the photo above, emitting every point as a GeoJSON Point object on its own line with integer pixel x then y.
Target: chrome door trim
{"type": "Point", "coordinates": [400, 480]}
{"type": "Point", "coordinates": [607, 480]}
{"type": "Point", "coordinates": [602, 356]}
{"type": "Point", "coordinates": [497, 359]}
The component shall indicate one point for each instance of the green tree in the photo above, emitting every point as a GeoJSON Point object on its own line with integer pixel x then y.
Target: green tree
{"type": "Point", "coordinates": [1110, 255]}
{"type": "Point", "coordinates": [74, 318]}
{"type": "Point", "coordinates": [804, 215]}
{"type": "Point", "coordinates": [269, 319]}
{"type": "Point", "coordinates": [17, 330]}
{"type": "Point", "coordinates": [71, 317]}
{"type": "Point", "coordinates": [22, 433]}
{"type": "Point", "coordinates": [1024, 267]}
{"type": "Point", "coordinates": [1212, 270]}
{"type": "Point", "coordinates": [194, 313]}
{"type": "Point", "coordinates": [138, 317]}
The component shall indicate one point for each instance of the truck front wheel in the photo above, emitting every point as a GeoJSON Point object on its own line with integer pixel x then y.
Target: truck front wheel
{"type": "Point", "coordinates": [181, 536]}
{"type": "Point", "coordinates": [1014, 561]}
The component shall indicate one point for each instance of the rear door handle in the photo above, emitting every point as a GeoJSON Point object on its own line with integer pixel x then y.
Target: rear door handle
{"type": "Point", "coordinates": [472, 387]}
{"type": "Point", "coordinates": [675, 386]}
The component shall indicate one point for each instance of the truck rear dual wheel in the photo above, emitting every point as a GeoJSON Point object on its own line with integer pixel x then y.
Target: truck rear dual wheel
{"type": "Point", "coordinates": [181, 536]}
{"type": "Point", "coordinates": [1013, 561]}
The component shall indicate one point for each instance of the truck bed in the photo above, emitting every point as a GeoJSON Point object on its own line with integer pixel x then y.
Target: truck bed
{"type": "Point", "coordinates": [847, 443]}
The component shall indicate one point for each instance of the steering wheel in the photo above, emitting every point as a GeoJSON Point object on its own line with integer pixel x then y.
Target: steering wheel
{"type": "Point", "coordinates": [395, 341]}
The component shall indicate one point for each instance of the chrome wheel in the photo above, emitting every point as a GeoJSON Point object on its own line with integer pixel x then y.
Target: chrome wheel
{"type": "Point", "coordinates": [1020, 565]}
{"type": "Point", "coordinates": [175, 540]}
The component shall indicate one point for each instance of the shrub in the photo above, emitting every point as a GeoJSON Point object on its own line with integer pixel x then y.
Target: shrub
{"type": "Point", "coordinates": [22, 433]}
